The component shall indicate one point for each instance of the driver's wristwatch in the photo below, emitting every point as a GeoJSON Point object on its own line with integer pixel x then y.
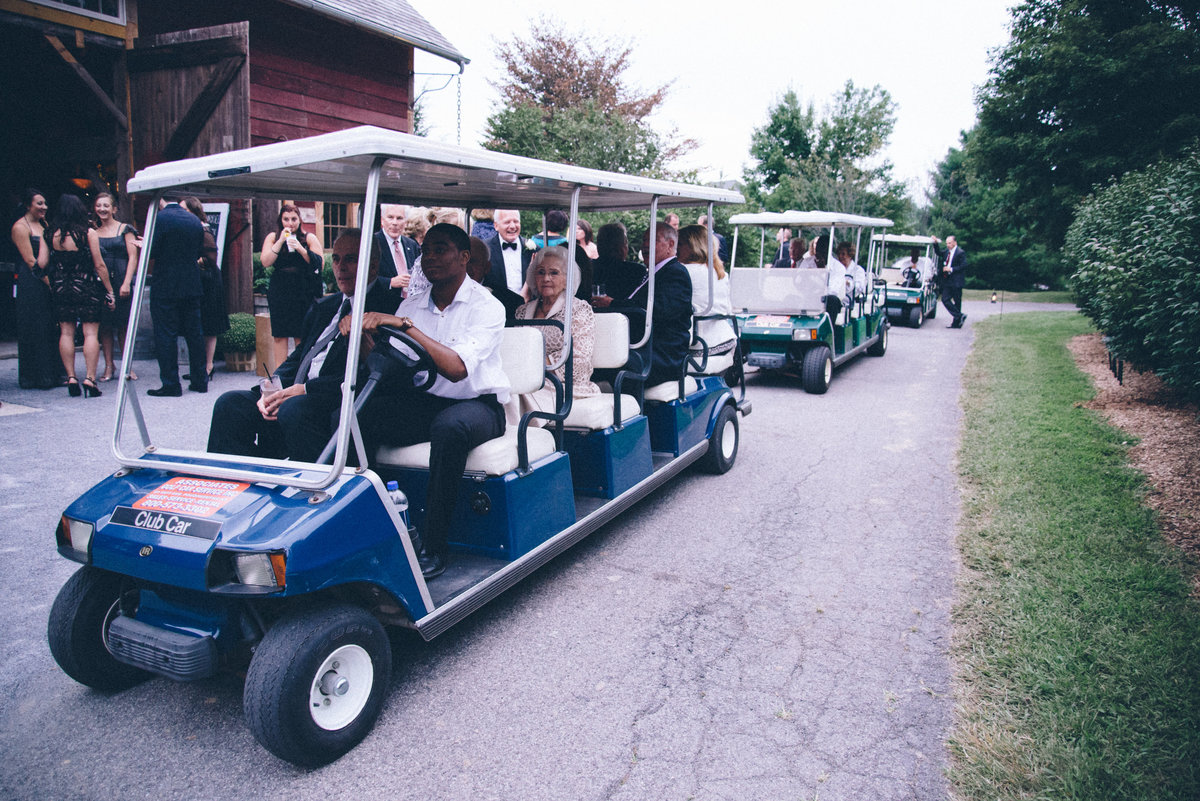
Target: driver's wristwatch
{"type": "Point", "coordinates": [405, 324]}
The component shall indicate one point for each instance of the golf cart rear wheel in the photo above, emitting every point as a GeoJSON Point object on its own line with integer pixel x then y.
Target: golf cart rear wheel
{"type": "Point", "coordinates": [879, 346]}
{"type": "Point", "coordinates": [316, 684]}
{"type": "Point", "coordinates": [817, 370]}
{"type": "Point", "coordinates": [932, 313]}
{"type": "Point", "coordinates": [723, 444]}
{"type": "Point", "coordinates": [78, 631]}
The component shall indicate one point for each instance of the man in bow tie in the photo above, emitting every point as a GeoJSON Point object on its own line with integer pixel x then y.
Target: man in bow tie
{"type": "Point", "coordinates": [297, 421]}
{"type": "Point", "coordinates": [509, 255]}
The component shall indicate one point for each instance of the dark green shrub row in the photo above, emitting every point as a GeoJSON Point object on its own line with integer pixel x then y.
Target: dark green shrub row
{"type": "Point", "coordinates": [1136, 245]}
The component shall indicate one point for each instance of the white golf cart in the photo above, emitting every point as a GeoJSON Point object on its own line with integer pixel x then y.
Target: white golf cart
{"type": "Point", "coordinates": [782, 312]}
{"type": "Point", "coordinates": [911, 283]}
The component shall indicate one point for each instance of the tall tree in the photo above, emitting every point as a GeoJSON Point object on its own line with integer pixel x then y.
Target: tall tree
{"type": "Point", "coordinates": [975, 209]}
{"type": "Point", "coordinates": [568, 99]}
{"type": "Point", "coordinates": [1086, 90]}
{"type": "Point", "coordinates": [833, 161]}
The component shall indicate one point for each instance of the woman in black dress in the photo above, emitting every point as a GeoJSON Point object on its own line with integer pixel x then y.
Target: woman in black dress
{"type": "Point", "coordinates": [296, 279]}
{"type": "Point", "coordinates": [214, 319]}
{"type": "Point", "coordinates": [38, 365]}
{"type": "Point", "coordinates": [79, 286]}
{"type": "Point", "coordinates": [119, 249]}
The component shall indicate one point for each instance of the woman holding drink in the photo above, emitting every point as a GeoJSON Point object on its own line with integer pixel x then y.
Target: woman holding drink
{"type": "Point", "coordinates": [297, 259]}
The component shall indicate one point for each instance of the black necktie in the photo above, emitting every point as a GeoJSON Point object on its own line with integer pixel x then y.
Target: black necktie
{"type": "Point", "coordinates": [507, 245]}
{"type": "Point", "coordinates": [326, 336]}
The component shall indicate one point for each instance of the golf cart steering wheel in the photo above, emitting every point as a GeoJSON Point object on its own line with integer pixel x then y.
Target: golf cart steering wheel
{"type": "Point", "coordinates": [419, 363]}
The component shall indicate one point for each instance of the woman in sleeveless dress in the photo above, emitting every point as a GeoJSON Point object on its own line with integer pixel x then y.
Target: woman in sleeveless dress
{"type": "Point", "coordinates": [38, 365]}
{"type": "Point", "coordinates": [296, 279]}
{"type": "Point", "coordinates": [79, 285]}
{"type": "Point", "coordinates": [118, 248]}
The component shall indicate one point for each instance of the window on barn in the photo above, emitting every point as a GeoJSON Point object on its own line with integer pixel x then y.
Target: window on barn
{"type": "Point", "coordinates": [336, 221]}
{"type": "Point", "coordinates": [107, 10]}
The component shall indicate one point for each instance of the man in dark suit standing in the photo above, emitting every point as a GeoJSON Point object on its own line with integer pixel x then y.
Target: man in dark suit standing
{"type": "Point", "coordinates": [297, 421]}
{"type": "Point", "coordinates": [397, 252]}
{"type": "Point", "coordinates": [508, 252]}
{"type": "Point", "coordinates": [671, 319]}
{"type": "Point", "coordinates": [175, 295]}
{"type": "Point", "coordinates": [954, 277]}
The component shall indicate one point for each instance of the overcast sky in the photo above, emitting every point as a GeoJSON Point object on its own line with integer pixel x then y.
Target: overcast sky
{"type": "Point", "coordinates": [727, 70]}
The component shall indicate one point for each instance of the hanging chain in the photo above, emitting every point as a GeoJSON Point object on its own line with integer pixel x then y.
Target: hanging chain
{"type": "Point", "coordinates": [459, 138]}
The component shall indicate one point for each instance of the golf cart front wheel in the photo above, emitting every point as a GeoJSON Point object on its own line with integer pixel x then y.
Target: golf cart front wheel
{"type": "Point", "coordinates": [817, 370]}
{"type": "Point", "coordinates": [316, 684]}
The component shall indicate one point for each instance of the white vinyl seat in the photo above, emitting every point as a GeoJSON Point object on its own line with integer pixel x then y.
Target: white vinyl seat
{"type": "Point", "coordinates": [610, 351]}
{"type": "Point", "coordinates": [522, 354]}
{"type": "Point", "coordinates": [669, 390]}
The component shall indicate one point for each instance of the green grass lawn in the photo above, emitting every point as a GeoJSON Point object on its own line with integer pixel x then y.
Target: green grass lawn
{"type": "Point", "coordinates": [1077, 646]}
{"type": "Point", "coordinates": [1054, 296]}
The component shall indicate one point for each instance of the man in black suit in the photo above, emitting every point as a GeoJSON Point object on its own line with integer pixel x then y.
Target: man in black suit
{"type": "Point", "coordinates": [478, 269]}
{"type": "Point", "coordinates": [509, 254]}
{"type": "Point", "coordinates": [612, 268]}
{"type": "Point", "coordinates": [671, 319]}
{"type": "Point", "coordinates": [298, 421]}
{"type": "Point", "coordinates": [397, 252]}
{"type": "Point", "coordinates": [954, 277]}
{"type": "Point", "coordinates": [175, 295]}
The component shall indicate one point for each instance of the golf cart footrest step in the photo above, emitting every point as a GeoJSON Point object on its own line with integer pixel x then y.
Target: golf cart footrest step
{"type": "Point", "coordinates": [181, 657]}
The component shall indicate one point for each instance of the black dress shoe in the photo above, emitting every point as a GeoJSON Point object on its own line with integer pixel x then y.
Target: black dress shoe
{"type": "Point", "coordinates": [194, 388]}
{"type": "Point", "coordinates": [433, 563]}
{"type": "Point", "coordinates": [166, 392]}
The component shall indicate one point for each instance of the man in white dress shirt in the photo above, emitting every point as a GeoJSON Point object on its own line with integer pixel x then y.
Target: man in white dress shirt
{"type": "Point", "coordinates": [460, 324]}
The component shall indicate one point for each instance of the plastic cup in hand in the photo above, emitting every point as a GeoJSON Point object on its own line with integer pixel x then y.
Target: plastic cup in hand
{"type": "Point", "coordinates": [269, 386]}
{"type": "Point", "coordinates": [292, 242]}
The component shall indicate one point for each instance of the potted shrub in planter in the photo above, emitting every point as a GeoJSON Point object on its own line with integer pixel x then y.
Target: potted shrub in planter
{"type": "Point", "coordinates": [238, 343]}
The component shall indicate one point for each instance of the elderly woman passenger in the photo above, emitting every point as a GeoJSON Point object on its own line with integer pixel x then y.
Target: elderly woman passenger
{"type": "Point", "coordinates": [553, 282]}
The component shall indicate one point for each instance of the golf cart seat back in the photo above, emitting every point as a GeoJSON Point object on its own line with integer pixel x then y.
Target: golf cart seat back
{"type": "Point", "coordinates": [778, 291]}
{"type": "Point", "coordinates": [522, 354]}
{"type": "Point", "coordinates": [610, 351]}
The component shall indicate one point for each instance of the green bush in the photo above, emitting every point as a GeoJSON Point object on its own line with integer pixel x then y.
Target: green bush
{"type": "Point", "coordinates": [240, 337]}
{"type": "Point", "coordinates": [1136, 246]}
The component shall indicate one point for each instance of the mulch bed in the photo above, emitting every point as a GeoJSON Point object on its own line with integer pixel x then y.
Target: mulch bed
{"type": "Point", "coordinates": [1168, 434]}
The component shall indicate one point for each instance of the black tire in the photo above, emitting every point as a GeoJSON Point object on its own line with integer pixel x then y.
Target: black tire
{"type": "Point", "coordinates": [78, 625]}
{"type": "Point", "coordinates": [916, 316]}
{"type": "Point", "coordinates": [300, 659]}
{"type": "Point", "coordinates": [879, 346]}
{"type": "Point", "coordinates": [932, 313]}
{"type": "Point", "coordinates": [817, 370]}
{"type": "Point", "coordinates": [723, 444]}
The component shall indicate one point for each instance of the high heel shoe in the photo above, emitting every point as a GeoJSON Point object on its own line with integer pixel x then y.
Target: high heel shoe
{"type": "Point", "coordinates": [90, 390]}
{"type": "Point", "coordinates": [73, 387]}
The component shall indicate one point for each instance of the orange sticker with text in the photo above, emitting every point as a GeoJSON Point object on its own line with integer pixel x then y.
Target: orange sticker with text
{"type": "Point", "coordinates": [183, 495]}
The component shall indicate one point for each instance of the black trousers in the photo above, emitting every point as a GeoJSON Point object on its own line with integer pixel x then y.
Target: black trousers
{"type": "Point", "coordinates": [174, 318]}
{"type": "Point", "coordinates": [952, 300]}
{"type": "Point", "coordinates": [301, 430]}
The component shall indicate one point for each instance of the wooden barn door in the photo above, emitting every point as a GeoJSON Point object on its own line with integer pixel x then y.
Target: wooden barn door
{"type": "Point", "coordinates": [190, 96]}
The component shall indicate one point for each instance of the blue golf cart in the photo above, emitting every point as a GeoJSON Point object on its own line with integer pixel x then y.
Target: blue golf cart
{"type": "Point", "coordinates": [193, 562]}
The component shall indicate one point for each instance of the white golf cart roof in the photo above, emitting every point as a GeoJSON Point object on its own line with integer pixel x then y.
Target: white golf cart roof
{"type": "Point", "coordinates": [903, 239]}
{"type": "Point", "coordinates": [334, 167]}
{"type": "Point", "coordinates": [811, 219]}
